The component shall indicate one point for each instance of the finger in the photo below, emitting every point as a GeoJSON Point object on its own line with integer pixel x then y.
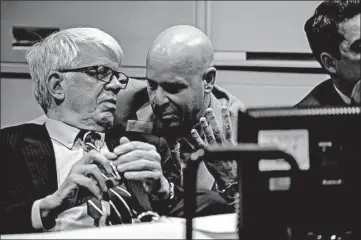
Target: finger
{"type": "Point", "coordinates": [139, 165]}
{"type": "Point", "coordinates": [142, 175]}
{"type": "Point", "coordinates": [227, 124]}
{"type": "Point", "coordinates": [97, 158]}
{"type": "Point", "coordinates": [87, 183]}
{"type": "Point", "coordinates": [131, 146]}
{"type": "Point", "coordinates": [207, 131]}
{"type": "Point", "coordinates": [137, 155]}
{"type": "Point", "coordinates": [110, 155]}
{"type": "Point", "coordinates": [211, 119]}
{"type": "Point", "coordinates": [197, 138]}
{"type": "Point", "coordinates": [93, 171]}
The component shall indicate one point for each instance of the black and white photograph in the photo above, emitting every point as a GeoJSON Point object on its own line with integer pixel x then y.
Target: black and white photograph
{"type": "Point", "coordinates": [181, 120]}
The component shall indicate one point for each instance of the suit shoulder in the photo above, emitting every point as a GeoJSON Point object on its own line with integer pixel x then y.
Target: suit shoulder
{"type": "Point", "coordinates": [316, 96]}
{"type": "Point", "coordinates": [12, 135]}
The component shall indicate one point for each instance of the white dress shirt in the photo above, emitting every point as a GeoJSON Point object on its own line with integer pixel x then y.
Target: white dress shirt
{"type": "Point", "coordinates": [346, 99]}
{"type": "Point", "coordinates": [68, 151]}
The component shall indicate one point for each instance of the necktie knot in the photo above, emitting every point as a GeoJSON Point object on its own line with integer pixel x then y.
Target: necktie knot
{"type": "Point", "coordinates": [91, 140]}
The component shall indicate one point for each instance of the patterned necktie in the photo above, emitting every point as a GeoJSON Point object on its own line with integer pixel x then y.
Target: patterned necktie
{"type": "Point", "coordinates": [92, 141]}
{"type": "Point", "coordinates": [122, 209]}
{"type": "Point", "coordinates": [175, 150]}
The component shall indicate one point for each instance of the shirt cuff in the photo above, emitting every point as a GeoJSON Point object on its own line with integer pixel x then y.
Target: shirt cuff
{"type": "Point", "coordinates": [35, 215]}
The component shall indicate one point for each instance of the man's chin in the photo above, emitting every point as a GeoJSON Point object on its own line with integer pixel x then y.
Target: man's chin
{"type": "Point", "coordinates": [106, 121]}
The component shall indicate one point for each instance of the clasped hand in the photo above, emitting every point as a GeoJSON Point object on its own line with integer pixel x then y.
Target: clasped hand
{"type": "Point", "coordinates": [141, 161]}
{"type": "Point", "coordinates": [136, 160]}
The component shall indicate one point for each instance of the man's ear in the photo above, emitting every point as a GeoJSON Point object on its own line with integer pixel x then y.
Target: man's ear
{"type": "Point", "coordinates": [209, 78]}
{"type": "Point", "coordinates": [54, 86]}
{"type": "Point", "coordinates": [328, 62]}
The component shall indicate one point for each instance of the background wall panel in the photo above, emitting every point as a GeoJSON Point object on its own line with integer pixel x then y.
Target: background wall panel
{"type": "Point", "coordinates": [134, 24]}
{"type": "Point", "coordinates": [263, 26]}
{"type": "Point", "coordinates": [266, 89]}
{"type": "Point", "coordinates": [18, 103]}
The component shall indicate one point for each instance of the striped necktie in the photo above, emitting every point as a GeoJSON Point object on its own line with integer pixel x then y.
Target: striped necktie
{"type": "Point", "coordinates": [92, 141]}
{"type": "Point", "coordinates": [122, 203]}
{"type": "Point", "coordinates": [118, 197]}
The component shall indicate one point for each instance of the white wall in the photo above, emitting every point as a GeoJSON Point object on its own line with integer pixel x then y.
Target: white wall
{"type": "Point", "coordinates": [17, 102]}
{"type": "Point", "coordinates": [266, 89]}
{"type": "Point", "coordinates": [271, 26]}
{"type": "Point", "coordinates": [234, 27]}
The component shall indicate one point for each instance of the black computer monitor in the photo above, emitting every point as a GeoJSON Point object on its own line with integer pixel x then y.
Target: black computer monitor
{"type": "Point", "coordinates": [323, 199]}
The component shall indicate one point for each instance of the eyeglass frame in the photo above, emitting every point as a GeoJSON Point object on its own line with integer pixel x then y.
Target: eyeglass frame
{"type": "Point", "coordinates": [90, 68]}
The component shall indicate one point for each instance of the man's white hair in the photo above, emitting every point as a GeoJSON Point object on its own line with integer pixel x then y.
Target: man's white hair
{"type": "Point", "coordinates": [61, 50]}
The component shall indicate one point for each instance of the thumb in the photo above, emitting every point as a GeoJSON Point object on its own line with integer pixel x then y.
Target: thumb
{"type": "Point", "coordinates": [123, 140]}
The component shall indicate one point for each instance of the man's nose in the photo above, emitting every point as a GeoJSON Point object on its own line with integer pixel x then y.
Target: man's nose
{"type": "Point", "coordinates": [114, 85]}
{"type": "Point", "coordinates": [159, 97]}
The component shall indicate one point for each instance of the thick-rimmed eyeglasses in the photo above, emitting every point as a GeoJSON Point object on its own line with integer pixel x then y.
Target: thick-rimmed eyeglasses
{"type": "Point", "coordinates": [101, 73]}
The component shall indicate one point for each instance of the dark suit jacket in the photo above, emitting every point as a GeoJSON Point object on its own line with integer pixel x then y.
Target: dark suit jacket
{"type": "Point", "coordinates": [29, 172]}
{"type": "Point", "coordinates": [323, 94]}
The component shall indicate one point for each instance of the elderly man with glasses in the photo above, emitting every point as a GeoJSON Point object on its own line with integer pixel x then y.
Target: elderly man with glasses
{"type": "Point", "coordinates": [77, 170]}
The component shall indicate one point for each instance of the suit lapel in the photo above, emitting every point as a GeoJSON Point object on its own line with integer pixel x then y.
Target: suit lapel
{"type": "Point", "coordinates": [39, 156]}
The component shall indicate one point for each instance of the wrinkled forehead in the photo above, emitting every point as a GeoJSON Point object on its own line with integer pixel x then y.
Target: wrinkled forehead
{"type": "Point", "coordinates": [161, 69]}
{"type": "Point", "coordinates": [183, 61]}
{"type": "Point", "coordinates": [98, 55]}
{"type": "Point", "coordinates": [350, 28]}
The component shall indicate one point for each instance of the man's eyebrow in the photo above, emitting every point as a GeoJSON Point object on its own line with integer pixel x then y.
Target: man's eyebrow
{"type": "Point", "coordinates": [179, 82]}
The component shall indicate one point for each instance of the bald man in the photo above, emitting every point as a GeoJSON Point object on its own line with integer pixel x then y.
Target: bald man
{"type": "Point", "coordinates": [181, 99]}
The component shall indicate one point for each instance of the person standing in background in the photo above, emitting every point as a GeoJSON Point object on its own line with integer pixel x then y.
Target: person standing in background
{"type": "Point", "coordinates": [333, 33]}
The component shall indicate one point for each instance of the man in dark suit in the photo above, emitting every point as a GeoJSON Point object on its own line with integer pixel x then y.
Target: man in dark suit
{"type": "Point", "coordinates": [58, 176]}
{"type": "Point", "coordinates": [333, 33]}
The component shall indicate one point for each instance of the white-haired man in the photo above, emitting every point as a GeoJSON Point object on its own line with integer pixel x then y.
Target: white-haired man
{"type": "Point", "coordinates": [71, 171]}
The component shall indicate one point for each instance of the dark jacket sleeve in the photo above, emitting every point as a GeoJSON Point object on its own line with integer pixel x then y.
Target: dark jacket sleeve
{"type": "Point", "coordinates": [17, 199]}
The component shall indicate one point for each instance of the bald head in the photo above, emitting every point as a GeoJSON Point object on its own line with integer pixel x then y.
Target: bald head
{"type": "Point", "coordinates": [182, 48]}
{"type": "Point", "coordinates": [180, 77]}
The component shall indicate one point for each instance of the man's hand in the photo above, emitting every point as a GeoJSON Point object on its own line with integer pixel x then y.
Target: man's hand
{"type": "Point", "coordinates": [223, 171]}
{"type": "Point", "coordinates": [141, 161]}
{"type": "Point", "coordinates": [84, 181]}
{"type": "Point", "coordinates": [212, 130]}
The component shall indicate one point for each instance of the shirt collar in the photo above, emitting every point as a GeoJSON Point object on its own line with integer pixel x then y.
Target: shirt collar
{"type": "Point", "coordinates": [63, 133]}
{"type": "Point", "coordinates": [346, 99]}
